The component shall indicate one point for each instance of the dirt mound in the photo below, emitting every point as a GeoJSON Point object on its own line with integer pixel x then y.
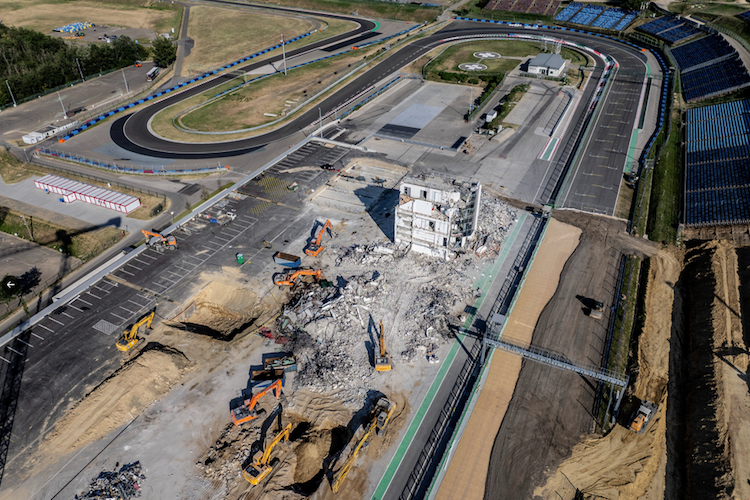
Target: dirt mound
{"type": "Point", "coordinates": [121, 397]}
{"type": "Point", "coordinates": [223, 309]}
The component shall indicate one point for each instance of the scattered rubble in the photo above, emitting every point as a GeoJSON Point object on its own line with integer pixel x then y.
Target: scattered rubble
{"type": "Point", "coordinates": [121, 485]}
{"type": "Point", "coordinates": [333, 330]}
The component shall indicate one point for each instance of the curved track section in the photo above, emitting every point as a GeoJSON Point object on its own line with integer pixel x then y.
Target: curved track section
{"type": "Point", "coordinates": [131, 132]}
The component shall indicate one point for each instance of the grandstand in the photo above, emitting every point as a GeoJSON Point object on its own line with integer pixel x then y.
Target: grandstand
{"type": "Point", "coordinates": [541, 7]}
{"type": "Point", "coordinates": [73, 27]}
{"type": "Point", "coordinates": [715, 79]}
{"type": "Point", "coordinates": [609, 18]}
{"type": "Point", "coordinates": [587, 14]}
{"type": "Point", "coordinates": [717, 164]}
{"type": "Point", "coordinates": [568, 12]}
{"type": "Point", "coordinates": [596, 16]}
{"type": "Point", "coordinates": [702, 52]}
{"type": "Point", "coordinates": [670, 29]}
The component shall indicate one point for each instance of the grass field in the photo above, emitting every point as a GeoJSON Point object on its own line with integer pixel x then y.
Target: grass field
{"type": "Point", "coordinates": [665, 194]}
{"type": "Point", "coordinates": [45, 15]}
{"type": "Point", "coordinates": [13, 171]}
{"type": "Point", "coordinates": [82, 245]}
{"type": "Point", "coordinates": [221, 34]}
{"type": "Point", "coordinates": [245, 107]}
{"type": "Point", "coordinates": [464, 52]}
{"type": "Point", "coordinates": [718, 13]}
{"type": "Point", "coordinates": [384, 10]}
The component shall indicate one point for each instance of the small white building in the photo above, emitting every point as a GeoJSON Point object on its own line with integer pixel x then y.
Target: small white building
{"type": "Point", "coordinates": [436, 216]}
{"type": "Point", "coordinates": [70, 191]}
{"type": "Point", "coordinates": [48, 131]}
{"type": "Point", "coordinates": [548, 65]}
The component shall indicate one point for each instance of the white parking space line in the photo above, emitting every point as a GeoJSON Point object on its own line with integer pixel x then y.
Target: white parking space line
{"type": "Point", "coordinates": [37, 336]}
{"type": "Point", "coordinates": [144, 254]}
{"type": "Point", "coordinates": [126, 309]}
{"type": "Point", "coordinates": [171, 280]}
{"type": "Point", "coordinates": [144, 263]}
{"type": "Point", "coordinates": [124, 271]}
{"type": "Point", "coordinates": [48, 329]}
{"type": "Point", "coordinates": [136, 303]}
{"type": "Point", "coordinates": [53, 319]}
{"type": "Point", "coordinates": [68, 315]}
{"type": "Point", "coordinates": [87, 303]}
{"type": "Point", "coordinates": [232, 230]}
{"type": "Point", "coordinates": [99, 298]}
{"type": "Point", "coordinates": [118, 316]}
{"type": "Point", "coordinates": [131, 265]}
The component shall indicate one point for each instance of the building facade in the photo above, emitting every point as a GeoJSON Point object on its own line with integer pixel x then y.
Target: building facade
{"type": "Point", "coordinates": [436, 216]}
{"type": "Point", "coordinates": [548, 65]}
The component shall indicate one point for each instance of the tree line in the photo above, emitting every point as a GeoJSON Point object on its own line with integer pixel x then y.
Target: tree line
{"type": "Point", "coordinates": [33, 62]}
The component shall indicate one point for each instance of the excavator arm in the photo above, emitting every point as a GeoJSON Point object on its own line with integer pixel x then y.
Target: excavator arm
{"type": "Point", "coordinates": [259, 469]}
{"type": "Point", "coordinates": [247, 412]}
{"type": "Point", "coordinates": [291, 280]}
{"type": "Point", "coordinates": [130, 337]}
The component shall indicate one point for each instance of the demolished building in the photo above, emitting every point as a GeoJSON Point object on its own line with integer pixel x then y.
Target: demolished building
{"type": "Point", "coordinates": [436, 216]}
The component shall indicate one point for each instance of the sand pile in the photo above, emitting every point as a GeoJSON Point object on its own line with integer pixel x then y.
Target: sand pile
{"type": "Point", "coordinates": [120, 398]}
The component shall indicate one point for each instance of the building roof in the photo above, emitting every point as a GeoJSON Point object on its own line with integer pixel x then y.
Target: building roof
{"type": "Point", "coordinates": [552, 61]}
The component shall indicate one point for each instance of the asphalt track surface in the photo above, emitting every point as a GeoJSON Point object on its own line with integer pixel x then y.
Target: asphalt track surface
{"type": "Point", "coordinates": [131, 132]}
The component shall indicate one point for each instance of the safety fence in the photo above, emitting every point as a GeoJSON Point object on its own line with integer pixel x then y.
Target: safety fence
{"type": "Point", "coordinates": [113, 167]}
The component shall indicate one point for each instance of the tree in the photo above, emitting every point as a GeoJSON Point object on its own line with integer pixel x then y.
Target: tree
{"type": "Point", "coordinates": [165, 52]}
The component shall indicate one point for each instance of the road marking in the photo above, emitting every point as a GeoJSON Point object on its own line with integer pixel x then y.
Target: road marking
{"type": "Point", "coordinates": [37, 336]}
{"type": "Point", "coordinates": [99, 298]}
{"type": "Point", "coordinates": [136, 267]}
{"type": "Point", "coordinates": [101, 289]}
{"type": "Point", "coordinates": [74, 307]}
{"type": "Point", "coordinates": [87, 303]}
{"type": "Point", "coordinates": [53, 319]}
{"type": "Point", "coordinates": [68, 315]}
{"type": "Point", "coordinates": [589, 195]}
{"type": "Point", "coordinates": [126, 309]}
{"type": "Point", "coordinates": [136, 303]}
{"type": "Point", "coordinates": [48, 329]}
{"type": "Point", "coordinates": [144, 263]}
{"type": "Point", "coordinates": [118, 316]}
{"type": "Point", "coordinates": [144, 254]}
{"type": "Point", "coordinates": [124, 271]}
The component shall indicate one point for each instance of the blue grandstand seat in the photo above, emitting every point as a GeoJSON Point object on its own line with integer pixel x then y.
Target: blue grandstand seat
{"type": "Point", "coordinates": [702, 51]}
{"type": "Point", "coordinates": [568, 12]}
{"type": "Point", "coordinates": [714, 79]}
{"type": "Point", "coordinates": [609, 18]}
{"type": "Point", "coordinates": [587, 14]}
{"type": "Point", "coordinates": [625, 21]}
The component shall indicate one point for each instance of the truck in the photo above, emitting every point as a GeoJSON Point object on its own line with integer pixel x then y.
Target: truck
{"type": "Point", "coordinates": [597, 310]}
{"type": "Point", "coordinates": [642, 417]}
{"type": "Point", "coordinates": [490, 116]}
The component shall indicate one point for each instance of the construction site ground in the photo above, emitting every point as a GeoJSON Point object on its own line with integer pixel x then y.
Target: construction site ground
{"type": "Point", "coordinates": [167, 402]}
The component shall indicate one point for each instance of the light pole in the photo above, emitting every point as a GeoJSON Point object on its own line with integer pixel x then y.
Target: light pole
{"type": "Point", "coordinates": [79, 69]}
{"type": "Point", "coordinates": [11, 93]}
{"type": "Point", "coordinates": [283, 52]}
{"type": "Point", "coordinates": [126, 81]}
{"type": "Point", "coordinates": [65, 114]}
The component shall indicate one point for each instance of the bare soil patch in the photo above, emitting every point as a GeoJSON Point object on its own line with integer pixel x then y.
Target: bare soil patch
{"type": "Point", "coordinates": [120, 398]}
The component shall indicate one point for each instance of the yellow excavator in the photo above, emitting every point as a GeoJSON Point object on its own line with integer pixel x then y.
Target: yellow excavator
{"type": "Point", "coordinates": [130, 337]}
{"type": "Point", "coordinates": [159, 242]}
{"type": "Point", "coordinates": [315, 247]}
{"type": "Point", "coordinates": [260, 468]}
{"type": "Point", "coordinates": [381, 415]}
{"type": "Point", "coordinates": [382, 362]}
{"type": "Point", "coordinates": [289, 278]}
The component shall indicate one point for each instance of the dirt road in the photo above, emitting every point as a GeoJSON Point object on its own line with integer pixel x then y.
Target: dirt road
{"type": "Point", "coordinates": [551, 410]}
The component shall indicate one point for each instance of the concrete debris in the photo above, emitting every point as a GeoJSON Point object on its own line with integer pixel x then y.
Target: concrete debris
{"type": "Point", "coordinates": [496, 218]}
{"type": "Point", "coordinates": [119, 485]}
{"type": "Point", "coordinates": [234, 447]}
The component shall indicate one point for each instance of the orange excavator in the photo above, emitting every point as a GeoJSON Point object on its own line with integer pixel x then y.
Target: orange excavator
{"type": "Point", "coordinates": [382, 362]}
{"type": "Point", "coordinates": [315, 247]}
{"type": "Point", "coordinates": [260, 468]}
{"type": "Point", "coordinates": [289, 278]}
{"type": "Point", "coordinates": [158, 241]}
{"type": "Point", "coordinates": [247, 411]}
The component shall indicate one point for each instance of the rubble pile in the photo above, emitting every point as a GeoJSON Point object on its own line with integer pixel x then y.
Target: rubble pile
{"type": "Point", "coordinates": [234, 447]}
{"type": "Point", "coordinates": [121, 485]}
{"type": "Point", "coordinates": [335, 330]}
{"type": "Point", "coordinates": [496, 218]}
